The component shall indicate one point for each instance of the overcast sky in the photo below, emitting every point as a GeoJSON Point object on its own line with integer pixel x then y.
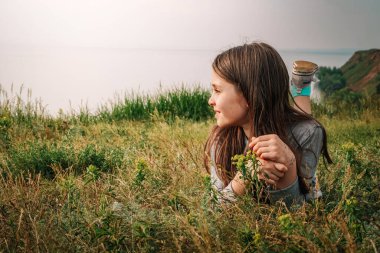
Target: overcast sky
{"type": "Point", "coordinates": [191, 24]}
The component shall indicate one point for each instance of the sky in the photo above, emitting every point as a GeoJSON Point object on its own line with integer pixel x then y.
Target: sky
{"type": "Point", "coordinates": [191, 24]}
{"type": "Point", "coordinates": [70, 52]}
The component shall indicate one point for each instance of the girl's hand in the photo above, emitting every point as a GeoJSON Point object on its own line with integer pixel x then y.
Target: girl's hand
{"type": "Point", "coordinates": [271, 172]}
{"type": "Point", "coordinates": [271, 147]}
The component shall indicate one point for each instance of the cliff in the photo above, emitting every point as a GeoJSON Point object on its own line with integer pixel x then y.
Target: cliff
{"type": "Point", "coordinates": [362, 71]}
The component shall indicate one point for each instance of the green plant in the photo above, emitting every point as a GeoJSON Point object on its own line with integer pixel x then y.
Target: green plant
{"type": "Point", "coordinates": [331, 79]}
{"type": "Point", "coordinates": [249, 167]}
{"type": "Point", "coordinates": [38, 157]}
{"type": "Point", "coordinates": [287, 223]}
{"type": "Point", "coordinates": [5, 124]}
{"type": "Point", "coordinates": [141, 172]}
{"type": "Point", "coordinates": [103, 159]}
{"type": "Point", "coordinates": [250, 239]}
{"type": "Point", "coordinates": [181, 102]}
{"type": "Point", "coordinates": [92, 173]}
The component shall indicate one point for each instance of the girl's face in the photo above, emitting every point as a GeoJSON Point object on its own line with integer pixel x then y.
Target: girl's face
{"type": "Point", "coordinates": [230, 106]}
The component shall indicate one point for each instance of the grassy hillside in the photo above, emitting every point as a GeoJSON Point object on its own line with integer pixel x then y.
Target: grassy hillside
{"type": "Point", "coordinates": [362, 71]}
{"type": "Point", "coordinates": [92, 183]}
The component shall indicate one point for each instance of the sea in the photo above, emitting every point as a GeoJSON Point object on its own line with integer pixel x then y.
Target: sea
{"type": "Point", "coordinates": [69, 79]}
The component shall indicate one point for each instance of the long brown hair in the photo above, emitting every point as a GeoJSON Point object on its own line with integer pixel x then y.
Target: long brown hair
{"type": "Point", "coordinates": [259, 72]}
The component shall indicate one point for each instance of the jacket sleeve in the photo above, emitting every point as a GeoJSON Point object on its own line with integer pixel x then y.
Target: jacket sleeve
{"type": "Point", "coordinates": [223, 193]}
{"type": "Point", "coordinates": [311, 151]}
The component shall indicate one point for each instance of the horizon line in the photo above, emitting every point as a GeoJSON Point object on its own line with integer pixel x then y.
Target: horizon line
{"type": "Point", "coordinates": [316, 50]}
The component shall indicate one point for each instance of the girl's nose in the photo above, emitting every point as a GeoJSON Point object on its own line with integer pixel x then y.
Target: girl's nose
{"type": "Point", "coordinates": [211, 101]}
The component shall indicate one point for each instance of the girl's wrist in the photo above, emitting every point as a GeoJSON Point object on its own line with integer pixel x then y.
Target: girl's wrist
{"type": "Point", "coordinates": [238, 184]}
{"type": "Point", "coordinates": [289, 176]}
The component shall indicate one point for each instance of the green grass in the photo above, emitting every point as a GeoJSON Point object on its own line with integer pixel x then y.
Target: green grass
{"type": "Point", "coordinates": [103, 182]}
{"type": "Point", "coordinates": [179, 102]}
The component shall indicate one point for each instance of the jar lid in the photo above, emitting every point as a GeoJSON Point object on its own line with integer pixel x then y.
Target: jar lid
{"type": "Point", "coordinates": [304, 67]}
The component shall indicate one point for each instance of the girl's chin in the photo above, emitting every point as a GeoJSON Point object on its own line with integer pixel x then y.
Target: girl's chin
{"type": "Point", "coordinates": [222, 124]}
{"type": "Point", "coordinates": [219, 124]}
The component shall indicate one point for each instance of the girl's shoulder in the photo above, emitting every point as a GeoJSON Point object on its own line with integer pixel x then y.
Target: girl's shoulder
{"type": "Point", "coordinates": [306, 131]}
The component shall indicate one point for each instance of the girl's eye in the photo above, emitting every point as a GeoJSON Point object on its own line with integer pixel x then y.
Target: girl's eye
{"type": "Point", "coordinates": [215, 90]}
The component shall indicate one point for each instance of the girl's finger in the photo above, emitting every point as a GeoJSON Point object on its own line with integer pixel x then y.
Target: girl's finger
{"type": "Point", "coordinates": [277, 173]}
{"type": "Point", "coordinates": [270, 181]}
{"type": "Point", "coordinates": [259, 145]}
{"type": "Point", "coordinates": [268, 175]}
{"type": "Point", "coordinates": [281, 167]}
{"type": "Point", "coordinates": [261, 150]}
{"type": "Point", "coordinates": [277, 169]}
{"type": "Point", "coordinates": [269, 156]}
{"type": "Point", "coordinates": [260, 139]}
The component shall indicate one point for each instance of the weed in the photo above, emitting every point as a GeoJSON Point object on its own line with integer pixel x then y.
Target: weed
{"type": "Point", "coordinates": [92, 173]}
{"type": "Point", "coordinates": [248, 165]}
{"type": "Point", "coordinates": [5, 124]}
{"type": "Point", "coordinates": [141, 172]}
{"type": "Point", "coordinates": [38, 158]}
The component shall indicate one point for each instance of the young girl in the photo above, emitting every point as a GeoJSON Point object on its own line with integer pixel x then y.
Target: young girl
{"type": "Point", "coordinates": [250, 97]}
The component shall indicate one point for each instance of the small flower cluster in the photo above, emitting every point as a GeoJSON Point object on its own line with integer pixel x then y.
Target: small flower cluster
{"type": "Point", "coordinates": [249, 166]}
{"type": "Point", "coordinates": [246, 164]}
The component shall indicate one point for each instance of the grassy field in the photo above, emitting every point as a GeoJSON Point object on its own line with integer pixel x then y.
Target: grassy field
{"type": "Point", "coordinates": [112, 182]}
